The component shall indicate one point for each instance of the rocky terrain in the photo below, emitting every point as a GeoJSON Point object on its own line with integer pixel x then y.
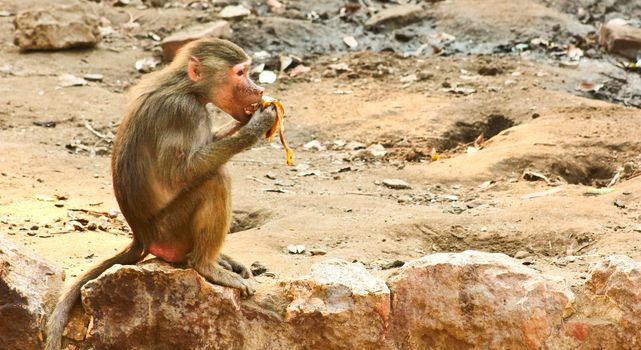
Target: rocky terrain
{"type": "Point", "coordinates": [419, 129]}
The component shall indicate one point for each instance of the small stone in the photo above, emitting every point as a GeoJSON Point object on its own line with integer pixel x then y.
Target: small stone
{"type": "Point", "coordinates": [271, 176]}
{"type": "Point", "coordinates": [350, 42]}
{"type": "Point", "coordinates": [315, 145]}
{"type": "Point", "coordinates": [317, 251]}
{"type": "Point", "coordinates": [377, 150]}
{"type": "Point", "coordinates": [521, 254]}
{"type": "Point", "coordinates": [267, 77]}
{"type": "Point", "coordinates": [34, 227]}
{"type": "Point", "coordinates": [146, 65]}
{"type": "Point", "coordinates": [68, 80]}
{"type": "Point", "coordinates": [405, 199]}
{"type": "Point", "coordinates": [59, 204]}
{"type": "Point", "coordinates": [296, 249]}
{"type": "Point", "coordinates": [92, 226]}
{"type": "Point", "coordinates": [619, 204]}
{"type": "Point", "coordinates": [355, 145]}
{"type": "Point", "coordinates": [257, 268]}
{"type": "Point", "coordinates": [450, 197]}
{"type": "Point", "coordinates": [76, 225]}
{"type": "Point", "coordinates": [396, 184]}
{"type": "Point", "coordinates": [637, 229]}
{"type": "Point", "coordinates": [234, 12]}
{"type": "Point", "coordinates": [93, 77]}
{"type": "Point", "coordinates": [396, 16]}
{"type": "Point", "coordinates": [392, 265]}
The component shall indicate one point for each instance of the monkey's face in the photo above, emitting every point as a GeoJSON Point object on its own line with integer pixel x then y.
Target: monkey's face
{"type": "Point", "coordinates": [238, 95]}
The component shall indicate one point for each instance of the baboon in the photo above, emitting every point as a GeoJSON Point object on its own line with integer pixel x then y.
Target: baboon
{"type": "Point", "coordinates": [168, 166]}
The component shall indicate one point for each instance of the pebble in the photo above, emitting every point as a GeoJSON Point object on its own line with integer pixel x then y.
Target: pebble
{"type": "Point", "coordinates": [257, 268]}
{"type": "Point", "coordinates": [619, 204]}
{"type": "Point", "coordinates": [234, 11]}
{"type": "Point", "coordinates": [271, 176]}
{"type": "Point", "coordinates": [267, 77]}
{"type": "Point", "coordinates": [92, 226]}
{"type": "Point", "coordinates": [296, 249]}
{"type": "Point", "coordinates": [396, 184]}
{"type": "Point", "coordinates": [315, 145]}
{"type": "Point", "coordinates": [521, 254]}
{"type": "Point", "coordinates": [392, 265]}
{"type": "Point", "coordinates": [93, 77]}
{"type": "Point", "coordinates": [317, 251]}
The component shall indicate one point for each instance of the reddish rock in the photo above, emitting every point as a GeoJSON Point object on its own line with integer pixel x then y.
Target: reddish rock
{"type": "Point", "coordinates": [155, 306]}
{"type": "Point", "coordinates": [609, 316]}
{"type": "Point", "coordinates": [56, 27]}
{"type": "Point", "coordinates": [619, 38]}
{"type": "Point", "coordinates": [171, 44]}
{"type": "Point", "coordinates": [475, 300]}
{"type": "Point", "coordinates": [29, 289]}
{"type": "Point", "coordinates": [338, 306]}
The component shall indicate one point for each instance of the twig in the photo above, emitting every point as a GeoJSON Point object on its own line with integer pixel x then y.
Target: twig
{"type": "Point", "coordinates": [88, 126]}
{"type": "Point", "coordinates": [364, 194]}
{"type": "Point", "coordinates": [258, 180]}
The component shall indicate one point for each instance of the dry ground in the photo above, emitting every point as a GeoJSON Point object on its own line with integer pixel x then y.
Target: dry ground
{"type": "Point", "coordinates": [574, 141]}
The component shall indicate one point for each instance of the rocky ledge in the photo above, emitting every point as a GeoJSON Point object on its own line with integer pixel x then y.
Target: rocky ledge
{"type": "Point", "coordinates": [468, 300]}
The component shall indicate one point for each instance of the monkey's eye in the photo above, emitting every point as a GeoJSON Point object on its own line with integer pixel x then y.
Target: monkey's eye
{"type": "Point", "coordinates": [241, 73]}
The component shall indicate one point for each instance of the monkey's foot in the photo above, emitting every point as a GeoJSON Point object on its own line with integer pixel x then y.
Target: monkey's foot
{"type": "Point", "coordinates": [216, 274]}
{"type": "Point", "coordinates": [232, 265]}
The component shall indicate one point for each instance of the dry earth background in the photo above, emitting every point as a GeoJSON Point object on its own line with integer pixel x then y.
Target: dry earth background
{"type": "Point", "coordinates": [432, 84]}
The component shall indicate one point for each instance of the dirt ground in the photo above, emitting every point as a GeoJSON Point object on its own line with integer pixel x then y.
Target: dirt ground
{"type": "Point", "coordinates": [569, 143]}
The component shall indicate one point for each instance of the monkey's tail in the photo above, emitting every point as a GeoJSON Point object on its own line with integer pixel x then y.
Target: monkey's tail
{"type": "Point", "coordinates": [60, 315]}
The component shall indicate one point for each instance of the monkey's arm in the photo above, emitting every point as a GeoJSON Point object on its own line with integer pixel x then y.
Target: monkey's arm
{"type": "Point", "coordinates": [218, 152]}
{"type": "Point", "coordinates": [227, 130]}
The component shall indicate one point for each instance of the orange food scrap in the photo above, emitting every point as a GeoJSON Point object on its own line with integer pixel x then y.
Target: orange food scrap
{"type": "Point", "coordinates": [279, 124]}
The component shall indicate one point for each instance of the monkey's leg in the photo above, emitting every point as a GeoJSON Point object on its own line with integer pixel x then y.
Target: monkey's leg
{"type": "Point", "coordinates": [209, 227]}
{"type": "Point", "coordinates": [230, 264]}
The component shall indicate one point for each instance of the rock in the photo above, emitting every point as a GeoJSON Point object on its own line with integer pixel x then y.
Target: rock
{"type": "Point", "coordinates": [234, 12]}
{"type": "Point", "coordinates": [609, 312]}
{"type": "Point", "coordinates": [377, 150]}
{"type": "Point", "coordinates": [56, 27]}
{"type": "Point", "coordinates": [152, 305]}
{"type": "Point", "coordinates": [616, 36]}
{"type": "Point", "coordinates": [93, 77]}
{"type": "Point", "coordinates": [257, 268]}
{"type": "Point", "coordinates": [315, 145]}
{"type": "Point", "coordinates": [355, 145]}
{"type": "Point", "coordinates": [521, 254]}
{"type": "Point", "coordinates": [68, 80]}
{"type": "Point", "coordinates": [296, 249]}
{"type": "Point", "coordinates": [216, 29]}
{"type": "Point", "coordinates": [155, 306]}
{"type": "Point", "coordinates": [393, 264]}
{"type": "Point", "coordinates": [338, 306]}
{"type": "Point", "coordinates": [146, 65]}
{"type": "Point", "coordinates": [476, 300]}
{"type": "Point", "coordinates": [267, 77]}
{"type": "Point", "coordinates": [29, 290]}
{"type": "Point", "coordinates": [396, 16]}
{"type": "Point", "coordinates": [396, 184]}
{"type": "Point", "coordinates": [317, 251]}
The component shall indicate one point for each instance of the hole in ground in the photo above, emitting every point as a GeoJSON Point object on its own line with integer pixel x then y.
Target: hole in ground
{"type": "Point", "coordinates": [458, 238]}
{"type": "Point", "coordinates": [243, 220]}
{"type": "Point", "coordinates": [464, 132]}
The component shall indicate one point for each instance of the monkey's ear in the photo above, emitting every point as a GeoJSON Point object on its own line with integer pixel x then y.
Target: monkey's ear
{"type": "Point", "coordinates": [193, 69]}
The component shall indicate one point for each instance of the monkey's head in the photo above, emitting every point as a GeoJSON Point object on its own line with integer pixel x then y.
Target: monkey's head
{"type": "Point", "coordinates": [219, 71]}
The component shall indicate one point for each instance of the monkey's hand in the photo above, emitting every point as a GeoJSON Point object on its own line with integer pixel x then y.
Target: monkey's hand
{"type": "Point", "coordinates": [261, 122]}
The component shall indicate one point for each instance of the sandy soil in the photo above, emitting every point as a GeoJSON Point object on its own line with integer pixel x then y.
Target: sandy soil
{"type": "Point", "coordinates": [529, 106]}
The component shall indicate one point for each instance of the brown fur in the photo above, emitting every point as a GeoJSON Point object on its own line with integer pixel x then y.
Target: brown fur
{"type": "Point", "coordinates": [168, 171]}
